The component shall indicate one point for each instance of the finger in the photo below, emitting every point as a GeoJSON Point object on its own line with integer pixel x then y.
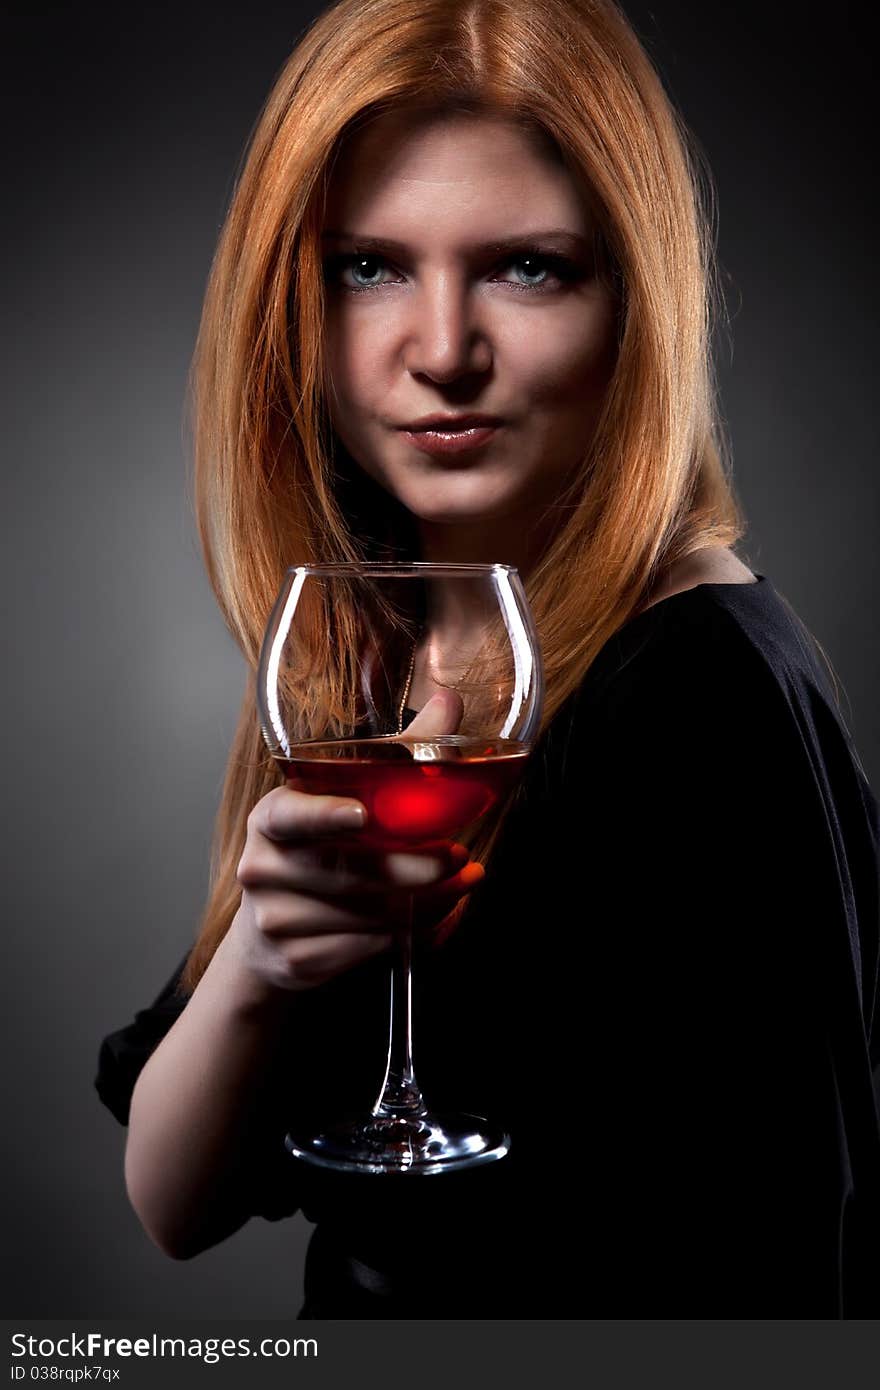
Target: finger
{"type": "Point", "coordinates": [282, 915]}
{"type": "Point", "coordinates": [338, 871]}
{"type": "Point", "coordinates": [310, 963]}
{"type": "Point", "coordinates": [287, 814]}
{"type": "Point", "coordinates": [435, 903]}
{"type": "Point", "coordinates": [423, 870]}
{"type": "Point", "coordinates": [441, 715]}
{"type": "Point", "coordinates": [454, 887]}
{"type": "Point", "coordinates": [435, 918]}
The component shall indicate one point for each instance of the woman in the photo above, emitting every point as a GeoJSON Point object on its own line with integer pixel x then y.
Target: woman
{"type": "Point", "coordinates": [659, 966]}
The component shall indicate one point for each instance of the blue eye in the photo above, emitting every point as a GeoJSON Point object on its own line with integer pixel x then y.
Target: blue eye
{"type": "Point", "coordinates": [544, 271]}
{"type": "Point", "coordinates": [356, 267]}
{"type": "Point", "coordinates": [540, 261]}
{"type": "Point", "coordinates": [365, 269]}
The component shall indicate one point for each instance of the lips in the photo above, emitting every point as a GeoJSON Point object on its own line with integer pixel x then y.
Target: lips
{"type": "Point", "coordinates": [446, 423]}
{"type": "Point", "coordinates": [451, 434]}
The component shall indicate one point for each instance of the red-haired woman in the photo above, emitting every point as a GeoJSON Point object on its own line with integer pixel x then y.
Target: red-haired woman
{"type": "Point", "coordinates": [659, 967]}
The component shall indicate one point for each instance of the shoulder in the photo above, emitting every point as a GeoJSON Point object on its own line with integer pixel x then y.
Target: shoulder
{"type": "Point", "coordinates": [718, 687]}
{"type": "Point", "coordinates": [715, 647]}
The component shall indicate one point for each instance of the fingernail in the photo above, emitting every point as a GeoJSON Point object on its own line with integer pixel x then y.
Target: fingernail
{"type": "Point", "coordinates": [472, 873]}
{"type": "Point", "coordinates": [349, 817]}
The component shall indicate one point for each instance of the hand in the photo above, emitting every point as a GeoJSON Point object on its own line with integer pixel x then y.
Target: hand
{"type": "Point", "coordinates": [314, 903]}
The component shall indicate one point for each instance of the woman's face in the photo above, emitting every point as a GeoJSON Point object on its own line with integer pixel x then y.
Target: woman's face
{"type": "Point", "coordinates": [459, 263]}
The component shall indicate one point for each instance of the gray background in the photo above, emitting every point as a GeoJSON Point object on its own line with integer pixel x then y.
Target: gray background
{"type": "Point", "coordinates": [123, 687]}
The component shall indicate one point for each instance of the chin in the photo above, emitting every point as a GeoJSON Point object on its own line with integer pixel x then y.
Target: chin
{"type": "Point", "coordinates": [454, 496]}
{"type": "Point", "coordinates": [449, 515]}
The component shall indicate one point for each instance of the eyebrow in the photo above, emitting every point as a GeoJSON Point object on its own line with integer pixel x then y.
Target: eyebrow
{"type": "Point", "coordinates": [564, 240]}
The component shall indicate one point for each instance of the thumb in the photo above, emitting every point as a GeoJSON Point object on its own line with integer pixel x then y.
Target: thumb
{"type": "Point", "coordinates": [441, 715]}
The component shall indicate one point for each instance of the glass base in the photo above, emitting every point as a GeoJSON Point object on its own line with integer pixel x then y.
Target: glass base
{"type": "Point", "coordinates": [403, 1144]}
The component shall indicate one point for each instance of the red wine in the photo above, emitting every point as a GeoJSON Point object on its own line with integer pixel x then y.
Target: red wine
{"type": "Point", "coordinates": [414, 790]}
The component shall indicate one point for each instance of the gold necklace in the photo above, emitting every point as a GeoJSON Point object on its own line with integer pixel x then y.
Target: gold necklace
{"type": "Point", "coordinates": [412, 663]}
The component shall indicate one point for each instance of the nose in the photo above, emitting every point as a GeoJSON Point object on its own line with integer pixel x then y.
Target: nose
{"type": "Point", "coordinates": [445, 338]}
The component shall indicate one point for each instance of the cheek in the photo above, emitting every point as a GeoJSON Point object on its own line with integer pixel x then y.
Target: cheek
{"type": "Point", "coordinates": [341, 359]}
{"type": "Point", "coordinates": [351, 388]}
{"type": "Point", "coordinates": [565, 357]}
{"type": "Point", "coordinates": [353, 353]}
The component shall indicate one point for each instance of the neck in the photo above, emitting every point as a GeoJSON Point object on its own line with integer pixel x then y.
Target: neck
{"type": "Point", "coordinates": [518, 540]}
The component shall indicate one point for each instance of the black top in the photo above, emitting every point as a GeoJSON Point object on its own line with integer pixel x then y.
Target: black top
{"type": "Point", "coordinates": [665, 989]}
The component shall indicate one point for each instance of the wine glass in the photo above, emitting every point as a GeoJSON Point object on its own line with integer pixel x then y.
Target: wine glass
{"type": "Point", "coordinates": [351, 654]}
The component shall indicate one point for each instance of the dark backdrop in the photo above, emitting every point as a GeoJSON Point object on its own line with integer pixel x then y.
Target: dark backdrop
{"type": "Point", "coordinates": [123, 138]}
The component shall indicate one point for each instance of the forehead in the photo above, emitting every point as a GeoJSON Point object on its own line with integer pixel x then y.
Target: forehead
{"type": "Point", "coordinates": [433, 169]}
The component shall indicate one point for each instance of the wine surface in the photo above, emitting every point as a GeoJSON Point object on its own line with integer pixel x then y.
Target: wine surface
{"type": "Point", "coordinates": [415, 790]}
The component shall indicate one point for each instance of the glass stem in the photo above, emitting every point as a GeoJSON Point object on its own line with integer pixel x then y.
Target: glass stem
{"type": "Point", "coordinates": [400, 1095]}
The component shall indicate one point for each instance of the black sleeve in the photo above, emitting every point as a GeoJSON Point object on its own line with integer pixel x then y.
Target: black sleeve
{"type": "Point", "coordinates": [123, 1054]}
